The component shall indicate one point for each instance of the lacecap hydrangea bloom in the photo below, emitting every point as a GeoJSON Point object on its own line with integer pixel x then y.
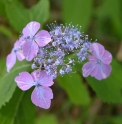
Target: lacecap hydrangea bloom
{"type": "Point", "coordinates": [49, 53]}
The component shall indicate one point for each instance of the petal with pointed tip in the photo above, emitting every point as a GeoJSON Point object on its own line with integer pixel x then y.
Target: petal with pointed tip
{"type": "Point", "coordinates": [10, 61]}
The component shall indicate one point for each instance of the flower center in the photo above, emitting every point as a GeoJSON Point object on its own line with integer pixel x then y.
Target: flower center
{"type": "Point", "coordinates": [99, 61]}
{"type": "Point", "coordinates": [36, 83]}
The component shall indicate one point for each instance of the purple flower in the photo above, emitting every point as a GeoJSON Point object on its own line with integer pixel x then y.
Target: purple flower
{"type": "Point", "coordinates": [42, 94]}
{"type": "Point", "coordinates": [16, 52]}
{"type": "Point", "coordinates": [54, 53]}
{"type": "Point", "coordinates": [34, 40]}
{"type": "Point", "coordinates": [98, 65]}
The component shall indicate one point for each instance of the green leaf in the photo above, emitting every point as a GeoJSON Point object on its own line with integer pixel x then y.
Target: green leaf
{"type": "Point", "coordinates": [112, 11]}
{"type": "Point", "coordinates": [46, 119]}
{"type": "Point", "coordinates": [78, 12]}
{"type": "Point", "coordinates": [110, 89]}
{"type": "Point", "coordinates": [2, 8]}
{"type": "Point", "coordinates": [106, 9]}
{"type": "Point", "coordinates": [2, 64]}
{"type": "Point", "coordinates": [40, 12]}
{"type": "Point", "coordinates": [19, 16]}
{"type": "Point", "coordinates": [75, 89]}
{"type": "Point", "coordinates": [19, 110]}
{"type": "Point", "coordinates": [7, 84]}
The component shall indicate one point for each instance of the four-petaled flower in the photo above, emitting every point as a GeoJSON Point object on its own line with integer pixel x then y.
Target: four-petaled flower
{"type": "Point", "coordinates": [34, 40]}
{"type": "Point", "coordinates": [42, 94]}
{"type": "Point", "coordinates": [98, 65]}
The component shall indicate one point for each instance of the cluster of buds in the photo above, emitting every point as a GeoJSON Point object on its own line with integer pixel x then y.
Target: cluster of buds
{"type": "Point", "coordinates": [50, 55]}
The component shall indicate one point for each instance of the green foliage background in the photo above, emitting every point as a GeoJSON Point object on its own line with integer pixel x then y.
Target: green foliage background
{"type": "Point", "coordinates": [77, 100]}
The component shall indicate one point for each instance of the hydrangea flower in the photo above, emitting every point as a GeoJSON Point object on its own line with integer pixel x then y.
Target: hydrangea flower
{"type": "Point", "coordinates": [98, 65]}
{"type": "Point", "coordinates": [34, 40]}
{"type": "Point", "coordinates": [15, 53]}
{"type": "Point", "coordinates": [54, 53]}
{"type": "Point", "coordinates": [42, 94]}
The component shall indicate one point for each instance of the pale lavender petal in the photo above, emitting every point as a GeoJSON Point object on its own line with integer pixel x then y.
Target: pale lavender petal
{"type": "Point", "coordinates": [41, 96]}
{"type": "Point", "coordinates": [31, 29]}
{"type": "Point", "coordinates": [97, 50]}
{"type": "Point", "coordinates": [88, 68]}
{"type": "Point", "coordinates": [107, 57]}
{"type": "Point", "coordinates": [103, 72]}
{"type": "Point", "coordinates": [24, 81]}
{"type": "Point", "coordinates": [10, 61]}
{"type": "Point", "coordinates": [42, 38]}
{"type": "Point", "coordinates": [92, 58]}
{"type": "Point", "coordinates": [45, 79]}
{"type": "Point", "coordinates": [30, 49]}
{"type": "Point", "coordinates": [20, 55]}
{"type": "Point", "coordinates": [17, 44]}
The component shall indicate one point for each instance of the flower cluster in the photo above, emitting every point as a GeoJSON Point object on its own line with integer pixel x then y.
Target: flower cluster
{"type": "Point", "coordinates": [54, 53]}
